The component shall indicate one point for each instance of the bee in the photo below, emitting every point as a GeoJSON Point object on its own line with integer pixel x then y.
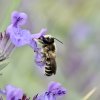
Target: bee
{"type": "Point", "coordinates": [49, 54]}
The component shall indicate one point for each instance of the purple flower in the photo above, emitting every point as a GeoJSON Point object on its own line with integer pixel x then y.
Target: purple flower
{"type": "Point", "coordinates": [39, 59]}
{"type": "Point", "coordinates": [34, 37]}
{"type": "Point", "coordinates": [33, 40]}
{"type": "Point", "coordinates": [18, 19]}
{"type": "Point", "coordinates": [54, 89]}
{"type": "Point", "coordinates": [33, 44]}
{"type": "Point", "coordinates": [12, 93]}
{"type": "Point", "coordinates": [41, 33]}
{"type": "Point", "coordinates": [18, 36]}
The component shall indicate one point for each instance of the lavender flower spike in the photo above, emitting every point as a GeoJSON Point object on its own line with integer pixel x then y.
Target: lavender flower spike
{"type": "Point", "coordinates": [12, 93]}
{"type": "Point", "coordinates": [54, 89]}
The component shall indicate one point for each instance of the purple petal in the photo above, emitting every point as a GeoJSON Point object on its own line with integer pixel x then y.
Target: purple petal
{"type": "Point", "coordinates": [41, 33]}
{"type": "Point", "coordinates": [14, 16]}
{"type": "Point", "coordinates": [18, 18]}
{"type": "Point", "coordinates": [33, 44]}
{"type": "Point", "coordinates": [80, 31]}
{"type": "Point", "coordinates": [56, 89]}
{"type": "Point", "coordinates": [18, 36]}
{"type": "Point", "coordinates": [39, 59]}
{"type": "Point", "coordinates": [20, 40]}
{"type": "Point", "coordinates": [9, 30]}
{"type": "Point", "coordinates": [49, 97]}
{"type": "Point", "coordinates": [45, 96]}
{"type": "Point", "coordinates": [53, 86]}
{"type": "Point", "coordinates": [13, 92]}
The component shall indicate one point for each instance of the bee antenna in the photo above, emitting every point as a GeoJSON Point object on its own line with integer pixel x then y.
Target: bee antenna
{"type": "Point", "coordinates": [58, 40]}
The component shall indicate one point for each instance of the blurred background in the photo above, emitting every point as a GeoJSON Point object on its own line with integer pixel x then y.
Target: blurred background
{"type": "Point", "coordinates": [76, 23]}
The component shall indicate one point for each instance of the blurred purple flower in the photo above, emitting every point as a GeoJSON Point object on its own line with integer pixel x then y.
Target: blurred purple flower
{"type": "Point", "coordinates": [18, 18]}
{"type": "Point", "coordinates": [12, 93]}
{"type": "Point", "coordinates": [54, 89]}
{"type": "Point", "coordinates": [80, 31]}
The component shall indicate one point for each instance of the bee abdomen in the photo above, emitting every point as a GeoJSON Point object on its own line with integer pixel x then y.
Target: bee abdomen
{"type": "Point", "coordinates": [48, 71]}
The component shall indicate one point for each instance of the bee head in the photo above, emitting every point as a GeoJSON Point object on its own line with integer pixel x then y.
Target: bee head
{"type": "Point", "coordinates": [47, 39]}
